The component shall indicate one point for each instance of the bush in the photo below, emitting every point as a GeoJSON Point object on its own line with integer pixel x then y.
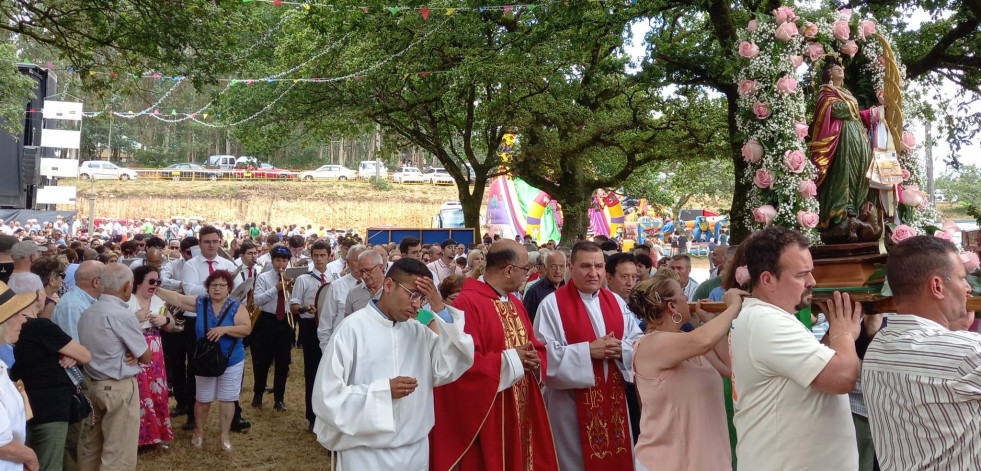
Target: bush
{"type": "Point", "coordinates": [380, 183]}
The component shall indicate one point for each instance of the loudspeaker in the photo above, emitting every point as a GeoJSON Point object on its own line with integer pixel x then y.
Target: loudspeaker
{"type": "Point", "coordinates": [12, 193]}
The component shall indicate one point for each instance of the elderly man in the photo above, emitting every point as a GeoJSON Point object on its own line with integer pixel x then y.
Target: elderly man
{"type": "Point", "coordinates": [588, 333]}
{"type": "Point", "coordinates": [22, 280]}
{"type": "Point", "coordinates": [712, 287]}
{"type": "Point", "coordinates": [154, 258]}
{"type": "Point", "coordinates": [110, 331]}
{"type": "Point", "coordinates": [88, 287]}
{"type": "Point", "coordinates": [554, 278]}
{"type": "Point", "coordinates": [332, 312]}
{"type": "Point", "coordinates": [372, 268]}
{"type": "Point", "coordinates": [681, 264]}
{"type": "Point", "coordinates": [920, 378]}
{"type": "Point", "coordinates": [788, 388]}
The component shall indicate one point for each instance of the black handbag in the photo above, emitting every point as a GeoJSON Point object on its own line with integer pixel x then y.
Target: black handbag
{"type": "Point", "coordinates": [208, 359]}
{"type": "Point", "coordinates": [80, 407]}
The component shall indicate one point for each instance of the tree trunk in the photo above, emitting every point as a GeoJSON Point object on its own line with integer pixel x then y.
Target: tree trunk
{"type": "Point", "coordinates": [575, 215]}
{"type": "Point", "coordinates": [739, 231]}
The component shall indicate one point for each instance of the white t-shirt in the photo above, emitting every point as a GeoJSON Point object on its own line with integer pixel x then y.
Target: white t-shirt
{"type": "Point", "coordinates": [782, 422]}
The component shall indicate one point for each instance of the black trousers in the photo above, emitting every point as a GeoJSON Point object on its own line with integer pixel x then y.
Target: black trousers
{"type": "Point", "coordinates": [311, 360]}
{"type": "Point", "coordinates": [633, 408]}
{"type": "Point", "coordinates": [178, 349]}
{"type": "Point", "coordinates": [272, 341]}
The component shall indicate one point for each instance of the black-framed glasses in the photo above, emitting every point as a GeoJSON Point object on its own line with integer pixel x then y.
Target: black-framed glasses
{"type": "Point", "coordinates": [414, 295]}
{"type": "Point", "coordinates": [368, 271]}
{"type": "Point", "coordinates": [525, 268]}
{"type": "Point", "coordinates": [153, 282]}
{"type": "Point", "coordinates": [218, 285]}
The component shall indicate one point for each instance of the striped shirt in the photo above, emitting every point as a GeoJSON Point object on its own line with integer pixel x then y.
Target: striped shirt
{"type": "Point", "coordinates": [922, 388]}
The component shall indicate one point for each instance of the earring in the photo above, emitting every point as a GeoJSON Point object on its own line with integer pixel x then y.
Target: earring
{"type": "Point", "coordinates": [678, 319]}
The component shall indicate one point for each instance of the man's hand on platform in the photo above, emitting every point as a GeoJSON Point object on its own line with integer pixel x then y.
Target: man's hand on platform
{"type": "Point", "coordinates": [844, 317]}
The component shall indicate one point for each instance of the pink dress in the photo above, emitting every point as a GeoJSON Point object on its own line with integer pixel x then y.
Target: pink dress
{"type": "Point", "coordinates": [154, 403]}
{"type": "Point", "coordinates": [683, 418]}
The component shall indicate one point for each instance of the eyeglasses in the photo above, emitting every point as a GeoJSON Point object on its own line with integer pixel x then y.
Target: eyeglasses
{"type": "Point", "coordinates": [525, 268]}
{"type": "Point", "coordinates": [368, 271]}
{"type": "Point", "coordinates": [414, 296]}
{"type": "Point", "coordinates": [218, 285]}
{"type": "Point", "coordinates": [157, 282]}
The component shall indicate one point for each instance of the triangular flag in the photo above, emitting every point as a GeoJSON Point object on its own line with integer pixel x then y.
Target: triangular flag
{"type": "Point", "coordinates": [269, 80]}
{"type": "Point", "coordinates": [156, 75]}
{"type": "Point", "coordinates": [205, 116]}
{"type": "Point", "coordinates": [246, 1]}
{"type": "Point", "coordinates": [234, 81]}
{"type": "Point", "coordinates": [507, 9]}
{"type": "Point", "coordinates": [277, 2]}
{"type": "Point", "coordinates": [27, 61]}
{"type": "Point", "coordinates": [364, 9]}
{"type": "Point", "coordinates": [481, 9]}
{"type": "Point", "coordinates": [405, 76]}
{"type": "Point", "coordinates": [176, 79]}
{"type": "Point", "coordinates": [425, 13]}
{"type": "Point", "coordinates": [424, 74]}
{"type": "Point", "coordinates": [296, 80]}
{"type": "Point", "coordinates": [32, 110]}
{"type": "Point", "coordinates": [249, 82]}
{"type": "Point", "coordinates": [357, 77]}
{"type": "Point", "coordinates": [306, 6]}
{"type": "Point", "coordinates": [112, 74]}
{"type": "Point", "coordinates": [71, 69]}
{"type": "Point", "coordinates": [194, 115]}
{"type": "Point", "coordinates": [51, 65]}
{"type": "Point", "coordinates": [531, 7]}
{"type": "Point", "coordinates": [394, 9]}
{"type": "Point", "coordinates": [173, 112]}
{"type": "Point", "coordinates": [91, 72]}
{"type": "Point", "coordinates": [450, 11]}
{"type": "Point", "coordinates": [156, 111]}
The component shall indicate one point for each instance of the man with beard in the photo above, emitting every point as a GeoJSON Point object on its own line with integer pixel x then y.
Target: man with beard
{"type": "Point", "coordinates": [787, 387]}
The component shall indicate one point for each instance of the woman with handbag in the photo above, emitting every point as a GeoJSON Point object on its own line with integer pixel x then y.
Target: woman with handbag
{"type": "Point", "coordinates": [219, 357]}
{"type": "Point", "coordinates": [47, 359]}
{"type": "Point", "coordinates": [155, 426]}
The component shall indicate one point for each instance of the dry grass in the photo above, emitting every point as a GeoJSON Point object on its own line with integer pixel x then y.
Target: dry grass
{"type": "Point", "coordinates": [277, 441]}
{"type": "Point", "coordinates": [330, 204]}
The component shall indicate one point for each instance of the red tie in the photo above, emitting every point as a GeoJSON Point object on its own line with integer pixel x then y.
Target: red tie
{"type": "Point", "coordinates": [323, 279]}
{"type": "Point", "coordinates": [280, 307]}
{"type": "Point", "coordinates": [211, 266]}
{"type": "Point", "coordinates": [250, 272]}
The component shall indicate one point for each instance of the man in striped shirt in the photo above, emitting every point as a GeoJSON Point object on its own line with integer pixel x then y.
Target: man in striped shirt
{"type": "Point", "coordinates": [921, 381]}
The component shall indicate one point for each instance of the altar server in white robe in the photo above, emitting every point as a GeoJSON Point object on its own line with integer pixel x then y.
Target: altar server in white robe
{"type": "Point", "coordinates": [588, 334]}
{"type": "Point", "coordinates": [373, 396]}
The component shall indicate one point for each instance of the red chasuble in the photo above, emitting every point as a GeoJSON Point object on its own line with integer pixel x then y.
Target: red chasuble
{"type": "Point", "coordinates": [478, 428]}
{"type": "Point", "coordinates": [604, 428]}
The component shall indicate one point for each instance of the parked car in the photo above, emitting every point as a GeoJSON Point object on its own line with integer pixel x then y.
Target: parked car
{"type": "Point", "coordinates": [450, 215]}
{"type": "Point", "coordinates": [366, 169]}
{"type": "Point", "coordinates": [264, 170]}
{"type": "Point", "coordinates": [407, 175]}
{"type": "Point", "coordinates": [223, 162]}
{"type": "Point", "coordinates": [329, 172]}
{"type": "Point", "coordinates": [189, 171]}
{"type": "Point", "coordinates": [438, 176]}
{"type": "Point", "coordinates": [102, 170]}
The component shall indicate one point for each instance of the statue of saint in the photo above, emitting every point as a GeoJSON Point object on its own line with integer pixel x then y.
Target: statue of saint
{"type": "Point", "coordinates": [841, 151]}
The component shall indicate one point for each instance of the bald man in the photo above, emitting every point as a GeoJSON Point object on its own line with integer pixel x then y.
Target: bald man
{"type": "Point", "coordinates": [486, 431]}
{"type": "Point", "coordinates": [88, 287]}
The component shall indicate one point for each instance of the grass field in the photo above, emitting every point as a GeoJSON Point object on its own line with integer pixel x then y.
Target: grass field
{"type": "Point", "coordinates": [277, 440]}
{"type": "Point", "coordinates": [330, 204]}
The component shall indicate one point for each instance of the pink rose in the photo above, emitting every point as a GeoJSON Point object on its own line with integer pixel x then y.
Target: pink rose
{"type": "Point", "coordinates": [763, 179]}
{"type": "Point", "coordinates": [810, 30]}
{"type": "Point", "coordinates": [752, 151]}
{"type": "Point", "coordinates": [807, 219]}
{"type": "Point", "coordinates": [761, 110]}
{"type": "Point", "coordinates": [901, 233]}
{"type": "Point", "coordinates": [786, 84]}
{"type": "Point", "coordinates": [786, 32]}
{"type": "Point", "coordinates": [807, 189]}
{"type": "Point", "coordinates": [748, 50]}
{"type": "Point", "coordinates": [942, 235]}
{"type": "Point", "coordinates": [881, 61]}
{"type": "Point", "coordinates": [845, 14]}
{"type": "Point", "coordinates": [742, 275]}
{"type": "Point", "coordinates": [849, 48]}
{"type": "Point", "coordinates": [906, 174]}
{"type": "Point", "coordinates": [912, 196]}
{"type": "Point", "coordinates": [908, 141]}
{"type": "Point", "coordinates": [794, 160]}
{"type": "Point", "coordinates": [815, 50]}
{"type": "Point", "coordinates": [867, 27]}
{"type": "Point", "coordinates": [840, 30]}
{"type": "Point", "coordinates": [764, 214]}
{"type": "Point", "coordinates": [800, 129]}
{"type": "Point", "coordinates": [751, 27]}
{"type": "Point", "coordinates": [970, 261]}
{"type": "Point", "coordinates": [747, 87]}
{"type": "Point", "coordinates": [796, 61]}
{"type": "Point", "coordinates": [880, 95]}
{"type": "Point", "coordinates": [784, 14]}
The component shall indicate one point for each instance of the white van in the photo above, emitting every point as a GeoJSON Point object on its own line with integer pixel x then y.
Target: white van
{"type": "Point", "coordinates": [366, 170]}
{"type": "Point", "coordinates": [224, 162]}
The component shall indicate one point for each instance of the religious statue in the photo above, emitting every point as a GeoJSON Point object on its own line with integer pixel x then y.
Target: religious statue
{"type": "Point", "coordinates": [843, 155]}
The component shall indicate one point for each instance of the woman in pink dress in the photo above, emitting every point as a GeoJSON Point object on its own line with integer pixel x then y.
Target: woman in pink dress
{"type": "Point", "coordinates": [683, 417]}
{"type": "Point", "coordinates": [155, 426]}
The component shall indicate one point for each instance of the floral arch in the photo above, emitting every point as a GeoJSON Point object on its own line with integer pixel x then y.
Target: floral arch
{"type": "Point", "coordinates": [781, 56]}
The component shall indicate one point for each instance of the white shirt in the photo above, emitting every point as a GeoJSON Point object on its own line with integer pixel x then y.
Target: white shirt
{"type": "Point", "coordinates": [922, 389]}
{"type": "Point", "coordinates": [155, 305]}
{"type": "Point", "coordinates": [13, 419]}
{"type": "Point", "coordinates": [196, 270]}
{"type": "Point", "coordinates": [334, 269]}
{"type": "Point", "coordinates": [332, 312]}
{"type": "Point", "coordinates": [778, 415]}
{"type": "Point", "coordinates": [570, 367]}
{"type": "Point", "coordinates": [170, 274]}
{"type": "Point", "coordinates": [352, 397]}
{"type": "Point", "coordinates": [690, 288]}
{"type": "Point", "coordinates": [305, 290]}
{"type": "Point", "coordinates": [266, 295]}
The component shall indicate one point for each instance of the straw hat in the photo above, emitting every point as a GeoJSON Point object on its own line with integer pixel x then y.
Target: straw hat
{"type": "Point", "coordinates": [12, 303]}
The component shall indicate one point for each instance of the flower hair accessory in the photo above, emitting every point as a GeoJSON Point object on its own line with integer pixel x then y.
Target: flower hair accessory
{"type": "Point", "coordinates": [742, 275]}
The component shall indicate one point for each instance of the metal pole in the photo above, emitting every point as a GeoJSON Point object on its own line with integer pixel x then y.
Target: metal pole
{"type": "Point", "coordinates": [377, 151]}
{"type": "Point", "coordinates": [929, 161]}
{"type": "Point", "coordinates": [91, 214]}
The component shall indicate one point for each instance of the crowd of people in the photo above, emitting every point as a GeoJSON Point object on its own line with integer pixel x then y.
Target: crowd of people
{"type": "Point", "coordinates": [497, 355]}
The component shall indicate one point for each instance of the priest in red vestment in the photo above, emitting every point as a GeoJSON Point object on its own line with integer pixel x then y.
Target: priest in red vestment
{"type": "Point", "coordinates": [588, 334]}
{"type": "Point", "coordinates": [493, 418]}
